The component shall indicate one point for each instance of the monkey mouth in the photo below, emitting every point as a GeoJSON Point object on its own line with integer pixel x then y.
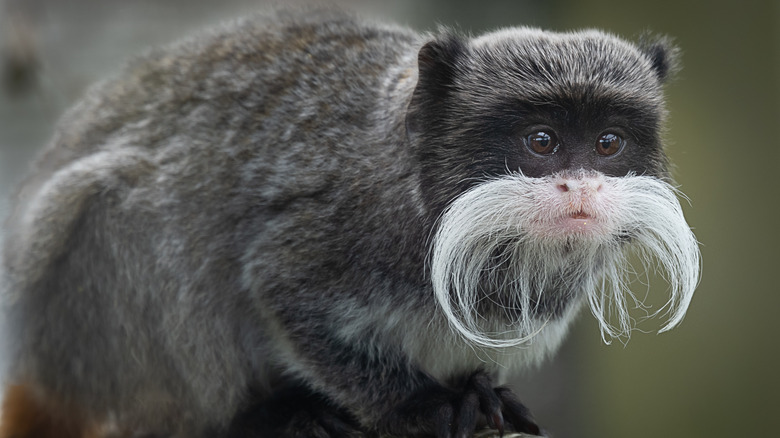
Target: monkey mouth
{"type": "Point", "coordinates": [580, 215]}
{"type": "Point", "coordinates": [579, 223]}
{"type": "Point", "coordinates": [573, 223]}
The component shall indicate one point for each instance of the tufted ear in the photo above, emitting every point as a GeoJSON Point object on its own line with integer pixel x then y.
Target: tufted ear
{"type": "Point", "coordinates": [663, 54]}
{"type": "Point", "coordinates": [437, 63]}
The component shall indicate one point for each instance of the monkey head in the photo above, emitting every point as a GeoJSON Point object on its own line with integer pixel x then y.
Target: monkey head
{"type": "Point", "coordinates": [543, 164]}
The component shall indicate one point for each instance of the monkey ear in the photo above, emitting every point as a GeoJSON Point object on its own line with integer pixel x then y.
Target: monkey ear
{"type": "Point", "coordinates": [437, 60]}
{"type": "Point", "coordinates": [438, 63]}
{"type": "Point", "coordinates": [663, 54]}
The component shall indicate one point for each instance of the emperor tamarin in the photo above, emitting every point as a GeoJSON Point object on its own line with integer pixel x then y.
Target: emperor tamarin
{"type": "Point", "coordinates": [304, 224]}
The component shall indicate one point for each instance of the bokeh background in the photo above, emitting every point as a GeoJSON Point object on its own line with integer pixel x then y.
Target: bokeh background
{"type": "Point", "coordinates": [717, 374]}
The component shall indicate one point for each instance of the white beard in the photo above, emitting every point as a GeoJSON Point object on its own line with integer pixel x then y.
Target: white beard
{"type": "Point", "coordinates": [515, 254]}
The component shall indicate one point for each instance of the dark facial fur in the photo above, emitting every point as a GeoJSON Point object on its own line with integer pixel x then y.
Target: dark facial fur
{"type": "Point", "coordinates": [477, 100]}
{"type": "Point", "coordinates": [319, 215]}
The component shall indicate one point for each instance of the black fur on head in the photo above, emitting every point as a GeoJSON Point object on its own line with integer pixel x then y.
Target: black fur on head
{"type": "Point", "coordinates": [437, 64]}
{"type": "Point", "coordinates": [476, 101]}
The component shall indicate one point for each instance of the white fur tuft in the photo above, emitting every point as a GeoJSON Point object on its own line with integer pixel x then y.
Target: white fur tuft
{"type": "Point", "coordinates": [508, 240]}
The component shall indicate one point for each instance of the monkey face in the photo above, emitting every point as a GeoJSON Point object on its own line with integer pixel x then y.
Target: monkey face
{"type": "Point", "coordinates": [536, 103]}
{"type": "Point", "coordinates": [541, 156]}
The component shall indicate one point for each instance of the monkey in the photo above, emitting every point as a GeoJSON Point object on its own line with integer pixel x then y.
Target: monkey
{"type": "Point", "coordinates": [307, 223]}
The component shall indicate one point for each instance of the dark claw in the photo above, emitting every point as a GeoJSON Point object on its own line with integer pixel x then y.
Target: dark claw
{"type": "Point", "coordinates": [489, 402]}
{"type": "Point", "coordinates": [517, 413]}
{"type": "Point", "coordinates": [497, 422]}
{"type": "Point", "coordinates": [467, 415]}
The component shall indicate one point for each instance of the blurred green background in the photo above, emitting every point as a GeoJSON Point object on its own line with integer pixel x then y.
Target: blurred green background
{"type": "Point", "coordinates": [717, 374]}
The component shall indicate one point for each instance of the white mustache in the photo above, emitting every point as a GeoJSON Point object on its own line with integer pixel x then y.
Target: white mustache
{"type": "Point", "coordinates": [509, 244]}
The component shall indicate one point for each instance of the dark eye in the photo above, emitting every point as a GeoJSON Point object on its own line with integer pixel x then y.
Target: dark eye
{"type": "Point", "coordinates": [542, 142]}
{"type": "Point", "coordinates": [609, 144]}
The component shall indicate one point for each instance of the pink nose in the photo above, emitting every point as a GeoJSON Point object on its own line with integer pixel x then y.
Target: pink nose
{"type": "Point", "coordinates": [585, 184]}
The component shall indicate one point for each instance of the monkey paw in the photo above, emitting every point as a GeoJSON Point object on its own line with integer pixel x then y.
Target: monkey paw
{"type": "Point", "coordinates": [448, 413]}
{"type": "Point", "coordinates": [294, 412]}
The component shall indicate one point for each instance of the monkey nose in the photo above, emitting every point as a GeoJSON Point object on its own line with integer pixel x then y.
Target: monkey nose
{"type": "Point", "coordinates": [587, 184]}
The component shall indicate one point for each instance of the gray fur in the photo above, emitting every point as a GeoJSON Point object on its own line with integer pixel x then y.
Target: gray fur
{"type": "Point", "coordinates": [256, 204]}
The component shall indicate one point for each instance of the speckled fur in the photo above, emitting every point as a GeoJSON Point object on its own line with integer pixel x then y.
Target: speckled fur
{"type": "Point", "coordinates": [255, 205]}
